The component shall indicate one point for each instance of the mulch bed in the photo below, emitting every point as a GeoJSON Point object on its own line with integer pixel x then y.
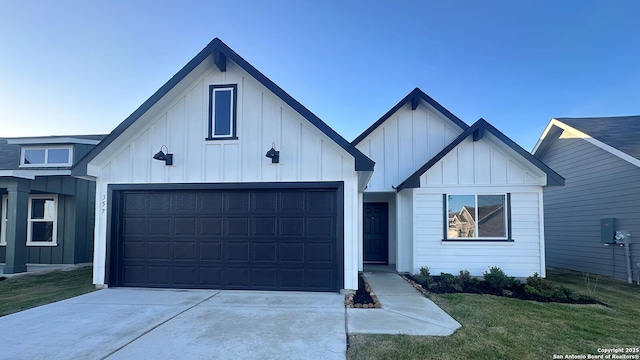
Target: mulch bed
{"type": "Point", "coordinates": [364, 297]}
{"type": "Point", "coordinates": [516, 292]}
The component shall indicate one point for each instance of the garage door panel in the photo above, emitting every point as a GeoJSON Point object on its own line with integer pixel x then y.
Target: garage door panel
{"type": "Point", "coordinates": [263, 278]}
{"type": "Point", "coordinates": [210, 276]}
{"type": "Point", "coordinates": [185, 250]}
{"type": "Point", "coordinates": [237, 202]}
{"type": "Point", "coordinates": [136, 203]}
{"type": "Point", "coordinates": [236, 226]}
{"type": "Point", "coordinates": [135, 226]}
{"type": "Point", "coordinates": [264, 202]}
{"type": "Point", "coordinates": [211, 226]}
{"type": "Point", "coordinates": [320, 226]}
{"type": "Point", "coordinates": [291, 252]}
{"type": "Point", "coordinates": [319, 253]}
{"type": "Point", "coordinates": [134, 275]}
{"type": "Point", "coordinates": [292, 226]}
{"type": "Point", "coordinates": [184, 226]}
{"type": "Point", "coordinates": [134, 250]}
{"type": "Point", "coordinates": [236, 277]}
{"type": "Point", "coordinates": [237, 250]}
{"type": "Point", "coordinates": [210, 250]}
{"type": "Point", "coordinates": [159, 203]}
{"type": "Point", "coordinates": [160, 250]}
{"type": "Point", "coordinates": [321, 201]}
{"type": "Point", "coordinates": [184, 202]}
{"type": "Point", "coordinates": [271, 239]}
{"type": "Point", "coordinates": [184, 276]}
{"type": "Point", "coordinates": [159, 226]}
{"type": "Point", "coordinates": [263, 252]}
{"type": "Point", "coordinates": [159, 275]}
{"type": "Point", "coordinates": [264, 226]}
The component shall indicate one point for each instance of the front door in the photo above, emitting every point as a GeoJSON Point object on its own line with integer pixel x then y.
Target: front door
{"type": "Point", "coordinates": [376, 233]}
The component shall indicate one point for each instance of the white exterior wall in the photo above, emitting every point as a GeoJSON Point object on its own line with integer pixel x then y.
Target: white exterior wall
{"type": "Point", "coordinates": [306, 154]}
{"type": "Point", "coordinates": [481, 167]}
{"type": "Point", "coordinates": [404, 143]}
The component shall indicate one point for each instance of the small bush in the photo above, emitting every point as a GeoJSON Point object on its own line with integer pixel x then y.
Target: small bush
{"type": "Point", "coordinates": [498, 280]}
{"type": "Point", "coordinates": [465, 280]}
{"type": "Point", "coordinates": [424, 277]}
{"type": "Point", "coordinates": [447, 283]}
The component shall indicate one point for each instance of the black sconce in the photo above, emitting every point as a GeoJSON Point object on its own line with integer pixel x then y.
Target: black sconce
{"type": "Point", "coordinates": [273, 154]}
{"type": "Point", "coordinates": [168, 158]}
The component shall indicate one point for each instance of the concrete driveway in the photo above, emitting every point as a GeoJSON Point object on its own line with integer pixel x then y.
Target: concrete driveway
{"type": "Point", "coordinates": [126, 323]}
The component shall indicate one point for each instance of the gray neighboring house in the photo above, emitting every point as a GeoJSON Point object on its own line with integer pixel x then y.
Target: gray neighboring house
{"type": "Point", "coordinates": [600, 159]}
{"type": "Point", "coordinates": [47, 216]}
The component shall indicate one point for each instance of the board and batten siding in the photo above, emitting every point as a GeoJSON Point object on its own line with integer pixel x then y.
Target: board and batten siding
{"type": "Point", "coordinates": [479, 167]}
{"type": "Point", "coordinates": [306, 154]}
{"type": "Point", "coordinates": [598, 185]}
{"type": "Point", "coordinates": [405, 142]}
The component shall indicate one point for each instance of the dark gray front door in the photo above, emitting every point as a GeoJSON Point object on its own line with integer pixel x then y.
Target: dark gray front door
{"type": "Point", "coordinates": [376, 233]}
{"type": "Point", "coordinates": [266, 239]}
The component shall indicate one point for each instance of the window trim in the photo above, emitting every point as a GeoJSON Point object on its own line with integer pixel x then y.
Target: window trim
{"type": "Point", "coordinates": [54, 235]}
{"type": "Point", "coordinates": [4, 202]}
{"type": "Point", "coordinates": [233, 118]}
{"type": "Point", "coordinates": [46, 156]}
{"type": "Point", "coordinates": [445, 220]}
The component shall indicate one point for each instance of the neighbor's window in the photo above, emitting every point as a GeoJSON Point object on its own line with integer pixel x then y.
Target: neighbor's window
{"type": "Point", "coordinates": [222, 111]}
{"type": "Point", "coordinates": [477, 217]}
{"type": "Point", "coordinates": [42, 219]}
{"type": "Point", "coordinates": [3, 220]}
{"type": "Point", "coordinates": [49, 156]}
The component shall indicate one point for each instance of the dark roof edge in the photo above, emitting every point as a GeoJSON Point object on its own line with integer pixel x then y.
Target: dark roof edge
{"type": "Point", "coordinates": [420, 94]}
{"type": "Point", "coordinates": [413, 181]}
{"type": "Point", "coordinates": [362, 162]}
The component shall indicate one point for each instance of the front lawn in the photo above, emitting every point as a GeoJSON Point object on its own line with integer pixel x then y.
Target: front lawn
{"type": "Point", "coordinates": [504, 328]}
{"type": "Point", "coordinates": [22, 292]}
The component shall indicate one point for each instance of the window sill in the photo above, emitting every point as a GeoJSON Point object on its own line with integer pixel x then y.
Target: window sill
{"type": "Point", "coordinates": [221, 138]}
{"type": "Point", "coordinates": [41, 244]}
{"type": "Point", "coordinates": [477, 240]}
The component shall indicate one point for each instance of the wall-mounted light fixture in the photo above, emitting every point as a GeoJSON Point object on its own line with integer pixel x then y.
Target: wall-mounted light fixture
{"type": "Point", "coordinates": [273, 154]}
{"type": "Point", "coordinates": [160, 155]}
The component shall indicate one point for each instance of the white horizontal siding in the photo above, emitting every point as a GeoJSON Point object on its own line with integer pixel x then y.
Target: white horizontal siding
{"type": "Point", "coordinates": [405, 142]}
{"type": "Point", "coordinates": [519, 258]}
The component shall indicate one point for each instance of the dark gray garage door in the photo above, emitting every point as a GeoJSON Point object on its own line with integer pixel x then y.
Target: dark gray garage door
{"type": "Point", "coordinates": [266, 239]}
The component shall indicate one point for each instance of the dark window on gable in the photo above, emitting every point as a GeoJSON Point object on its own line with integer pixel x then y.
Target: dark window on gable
{"type": "Point", "coordinates": [222, 112]}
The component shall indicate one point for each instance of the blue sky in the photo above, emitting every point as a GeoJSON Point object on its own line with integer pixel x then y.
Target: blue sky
{"type": "Point", "coordinates": [81, 67]}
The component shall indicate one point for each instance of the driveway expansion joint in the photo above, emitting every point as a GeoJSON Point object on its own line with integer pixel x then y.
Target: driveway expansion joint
{"type": "Point", "coordinates": [160, 324]}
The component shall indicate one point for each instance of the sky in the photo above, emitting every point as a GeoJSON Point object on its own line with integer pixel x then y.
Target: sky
{"type": "Point", "coordinates": [81, 67]}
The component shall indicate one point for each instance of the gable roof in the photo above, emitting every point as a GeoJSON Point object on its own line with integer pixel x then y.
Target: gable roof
{"type": "Point", "coordinates": [621, 133]}
{"type": "Point", "coordinates": [476, 130]}
{"type": "Point", "coordinates": [221, 52]}
{"type": "Point", "coordinates": [413, 97]}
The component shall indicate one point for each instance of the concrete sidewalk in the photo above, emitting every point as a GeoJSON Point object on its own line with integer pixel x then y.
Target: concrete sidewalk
{"type": "Point", "coordinates": [404, 310]}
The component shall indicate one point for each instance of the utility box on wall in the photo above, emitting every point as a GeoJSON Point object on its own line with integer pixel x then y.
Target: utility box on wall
{"type": "Point", "coordinates": [608, 230]}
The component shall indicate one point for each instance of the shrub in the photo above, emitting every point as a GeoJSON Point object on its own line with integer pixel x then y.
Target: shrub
{"type": "Point", "coordinates": [448, 283]}
{"type": "Point", "coordinates": [498, 280]}
{"type": "Point", "coordinates": [424, 277]}
{"type": "Point", "coordinates": [465, 280]}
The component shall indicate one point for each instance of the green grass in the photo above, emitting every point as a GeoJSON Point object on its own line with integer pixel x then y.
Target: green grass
{"type": "Point", "coordinates": [26, 291]}
{"type": "Point", "coordinates": [503, 328]}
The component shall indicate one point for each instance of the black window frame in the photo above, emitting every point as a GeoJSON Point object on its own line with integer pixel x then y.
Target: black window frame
{"type": "Point", "coordinates": [445, 222]}
{"type": "Point", "coordinates": [234, 107]}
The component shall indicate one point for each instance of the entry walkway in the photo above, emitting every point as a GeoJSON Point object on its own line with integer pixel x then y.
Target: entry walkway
{"type": "Point", "coordinates": [404, 310]}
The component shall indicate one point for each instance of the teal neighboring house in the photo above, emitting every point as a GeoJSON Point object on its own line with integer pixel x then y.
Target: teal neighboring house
{"type": "Point", "coordinates": [47, 216]}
